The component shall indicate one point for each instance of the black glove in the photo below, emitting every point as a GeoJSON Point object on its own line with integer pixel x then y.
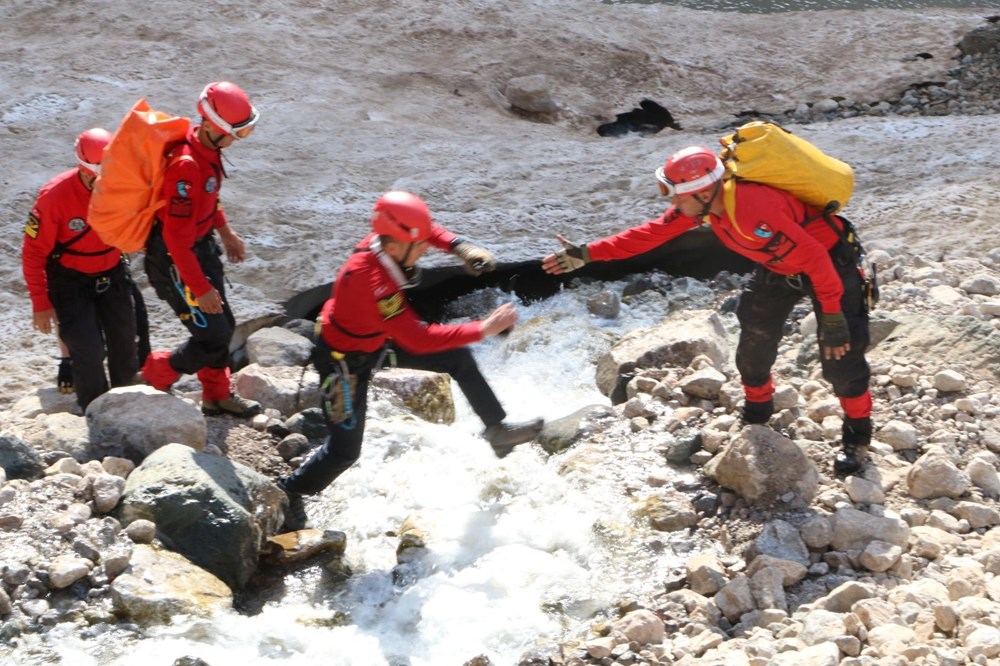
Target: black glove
{"type": "Point", "coordinates": [478, 260]}
{"type": "Point", "coordinates": [572, 257]}
{"type": "Point", "coordinates": [833, 331]}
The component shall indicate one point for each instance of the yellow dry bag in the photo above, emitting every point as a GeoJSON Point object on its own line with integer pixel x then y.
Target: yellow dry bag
{"type": "Point", "coordinates": [766, 153]}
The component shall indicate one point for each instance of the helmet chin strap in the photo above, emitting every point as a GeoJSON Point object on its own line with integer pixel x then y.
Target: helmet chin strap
{"type": "Point", "coordinates": [403, 277]}
{"type": "Point", "coordinates": [706, 206]}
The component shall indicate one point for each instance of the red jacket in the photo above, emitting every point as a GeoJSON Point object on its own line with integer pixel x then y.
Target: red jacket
{"type": "Point", "coordinates": [368, 307]}
{"type": "Point", "coordinates": [770, 232]}
{"type": "Point", "coordinates": [191, 184]}
{"type": "Point", "coordinates": [58, 216]}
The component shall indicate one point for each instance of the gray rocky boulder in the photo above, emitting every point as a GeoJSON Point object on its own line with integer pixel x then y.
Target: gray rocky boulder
{"type": "Point", "coordinates": [676, 341]}
{"type": "Point", "coordinates": [19, 460]}
{"type": "Point", "coordinates": [215, 512]}
{"type": "Point", "coordinates": [135, 421]}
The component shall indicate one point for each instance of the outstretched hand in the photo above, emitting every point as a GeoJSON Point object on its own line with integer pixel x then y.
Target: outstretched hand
{"type": "Point", "coordinates": [477, 259]}
{"type": "Point", "coordinates": [499, 320]}
{"type": "Point", "coordinates": [566, 260]}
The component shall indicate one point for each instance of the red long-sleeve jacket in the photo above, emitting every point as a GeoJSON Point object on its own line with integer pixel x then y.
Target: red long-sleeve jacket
{"type": "Point", "coordinates": [368, 307]}
{"type": "Point", "coordinates": [59, 216]}
{"type": "Point", "coordinates": [191, 185]}
{"type": "Point", "coordinates": [769, 231]}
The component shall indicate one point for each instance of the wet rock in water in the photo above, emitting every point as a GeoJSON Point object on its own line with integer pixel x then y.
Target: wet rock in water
{"type": "Point", "coordinates": [293, 547]}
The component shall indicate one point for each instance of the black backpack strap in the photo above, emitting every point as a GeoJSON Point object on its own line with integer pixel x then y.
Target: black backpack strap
{"type": "Point", "coordinates": [64, 248]}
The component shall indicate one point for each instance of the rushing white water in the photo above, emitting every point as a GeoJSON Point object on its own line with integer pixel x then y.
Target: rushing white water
{"type": "Point", "coordinates": [519, 552]}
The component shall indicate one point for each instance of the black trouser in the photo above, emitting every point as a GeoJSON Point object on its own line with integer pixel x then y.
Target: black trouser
{"type": "Point", "coordinates": [343, 448]}
{"type": "Point", "coordinates": [208, 346]}
{"type": "Point", "coordinates": [95, 314]}
{"type": "Point", "coordinates": [764, 307]}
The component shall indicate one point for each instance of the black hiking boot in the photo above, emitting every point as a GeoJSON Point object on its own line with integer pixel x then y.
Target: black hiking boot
{"type": "Point", "coordinates": [64, 377]}
{"type": "Point", "coordinates": [503, 437]}
{"type": "Point", "coordinates": [853, 454]}
{"type": "Point", "coordinates": [757, 412]}
{"type": "Point", "coordinates": [296, 517]}
{"type": "Point", "coordinates": [233, 405]}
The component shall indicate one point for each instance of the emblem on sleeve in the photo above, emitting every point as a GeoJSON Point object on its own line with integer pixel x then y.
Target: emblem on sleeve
{"type": "Point", "coordinates": [211, 184]}
{"type": "Point", "coordinates": [31, 228]}
{"type": "Point", "coordinates": [184, 189]}
{"type": "Point", "coordinates": [762, 230]}
{"type": "Point", "coordinates": [391, 306]}
{"type": "Point", "coordinates": [77, 224]}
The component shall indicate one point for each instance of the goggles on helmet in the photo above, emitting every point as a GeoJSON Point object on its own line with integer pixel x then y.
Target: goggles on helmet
{"type": "Point", "coordinates": [240, 130]}
{"type": "Point", "coordinates": [92, 168]}
{"type": "Point", "coordinates": [672, 189]}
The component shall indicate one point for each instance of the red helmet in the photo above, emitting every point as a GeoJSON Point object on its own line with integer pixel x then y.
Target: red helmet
{"type": "Point", "coordinates": [228, 108]}
{"type": "Point", "coordinates": [90, 149]}
{"type": "Point", "coordinates": [403, 216]}
{"type": "Point", "coordinates": [689, 171]}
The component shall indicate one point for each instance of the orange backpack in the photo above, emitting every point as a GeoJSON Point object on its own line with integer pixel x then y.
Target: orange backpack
{"type": "Point", "coordinates": [127, 192]}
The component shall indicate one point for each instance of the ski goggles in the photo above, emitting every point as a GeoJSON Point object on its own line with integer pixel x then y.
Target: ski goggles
{"type": "Point", "coordinates": [240, 130]}
{"type": "Point", "coordinates": [668, 188]}
{"type": "Point", "coordinates": [244, 129]}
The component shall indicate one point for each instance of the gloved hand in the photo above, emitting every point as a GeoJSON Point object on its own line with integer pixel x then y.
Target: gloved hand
{"type": "Point", "coordinates": [478, 260]}
{"type": "Point", "coordinates": [833, 331]}
{"type": "Point", "coordinates": [570, 258]}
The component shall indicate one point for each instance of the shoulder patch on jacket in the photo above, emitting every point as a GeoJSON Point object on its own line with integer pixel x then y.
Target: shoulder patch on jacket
{"type": "Point", "coordinates": [31, 228]}
{"type": "Point", "coordinates": [391, 306]}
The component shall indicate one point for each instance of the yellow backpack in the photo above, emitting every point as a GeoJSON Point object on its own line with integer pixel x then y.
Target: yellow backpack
{"type": "Point", "coordinates": [767, 153]}
{"type": "Point", "coordinates": [127, 192]}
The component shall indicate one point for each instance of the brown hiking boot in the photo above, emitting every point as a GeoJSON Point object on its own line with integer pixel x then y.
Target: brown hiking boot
{"type": "Point", "coordinates": [233, 405]}
{"type": "Point", "coordinates": [503, 437]}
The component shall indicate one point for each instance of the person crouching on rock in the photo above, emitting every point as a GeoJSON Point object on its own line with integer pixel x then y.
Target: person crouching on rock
{"type": "Point", "coordinates": [369, 310]}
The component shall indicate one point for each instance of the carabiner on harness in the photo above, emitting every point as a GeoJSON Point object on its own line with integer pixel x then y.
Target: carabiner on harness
{"type": "Point", "coordinates": [337, 393]}
{"type": "Point", "coordinates": [197, 316]}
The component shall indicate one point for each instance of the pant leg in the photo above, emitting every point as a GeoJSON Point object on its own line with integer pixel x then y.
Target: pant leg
{"type": "Point", "coordinates": [116, 316]}
{"type": "Point", "coordinates": [343, 447]}
{"type": "Point", "coordinates": [208, 346]}
{"type": "Point", "coordinates": [762, 311]}
{"type": "Point", "coordinates": [850, 374]}
{"type": "Point", "coordinates": [74, 300]}
{"type": "Point", "coordinates": [462, 366]}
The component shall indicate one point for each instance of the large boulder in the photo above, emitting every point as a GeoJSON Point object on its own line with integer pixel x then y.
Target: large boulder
{"type": "Point", "coordinates": [134, 421]}
{"type": "Point", "coordinates": [215, 512]}
{"type": "Point", "coordinates": [284, 388]}
{"type": "Point", "coordinates": [274, 346]}
{"type": "Point", "coordinates": [160, 585]}
{"type": "Point", "coordinates": [19, 460]}
{"type": "Point", "coordinates": [762, 465]}
{"type": "Point", "coordinates": [675, 342]}
{"type": "Point", "coordinates": [426, 394]}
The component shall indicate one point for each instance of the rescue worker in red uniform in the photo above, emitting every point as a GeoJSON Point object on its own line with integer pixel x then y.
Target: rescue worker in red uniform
{"type": "Point", "coordinates": [367, 311]}
{"type": "Point", "coordinates": [799, 252]}
{"type": "Point", "coordinates": [183, 256]}
{"type": "Point", "coordinates": [78, 281]}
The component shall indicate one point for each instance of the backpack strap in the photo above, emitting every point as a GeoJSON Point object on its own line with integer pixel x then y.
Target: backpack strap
{"type": "Point", "coordinates": [64, 248]}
